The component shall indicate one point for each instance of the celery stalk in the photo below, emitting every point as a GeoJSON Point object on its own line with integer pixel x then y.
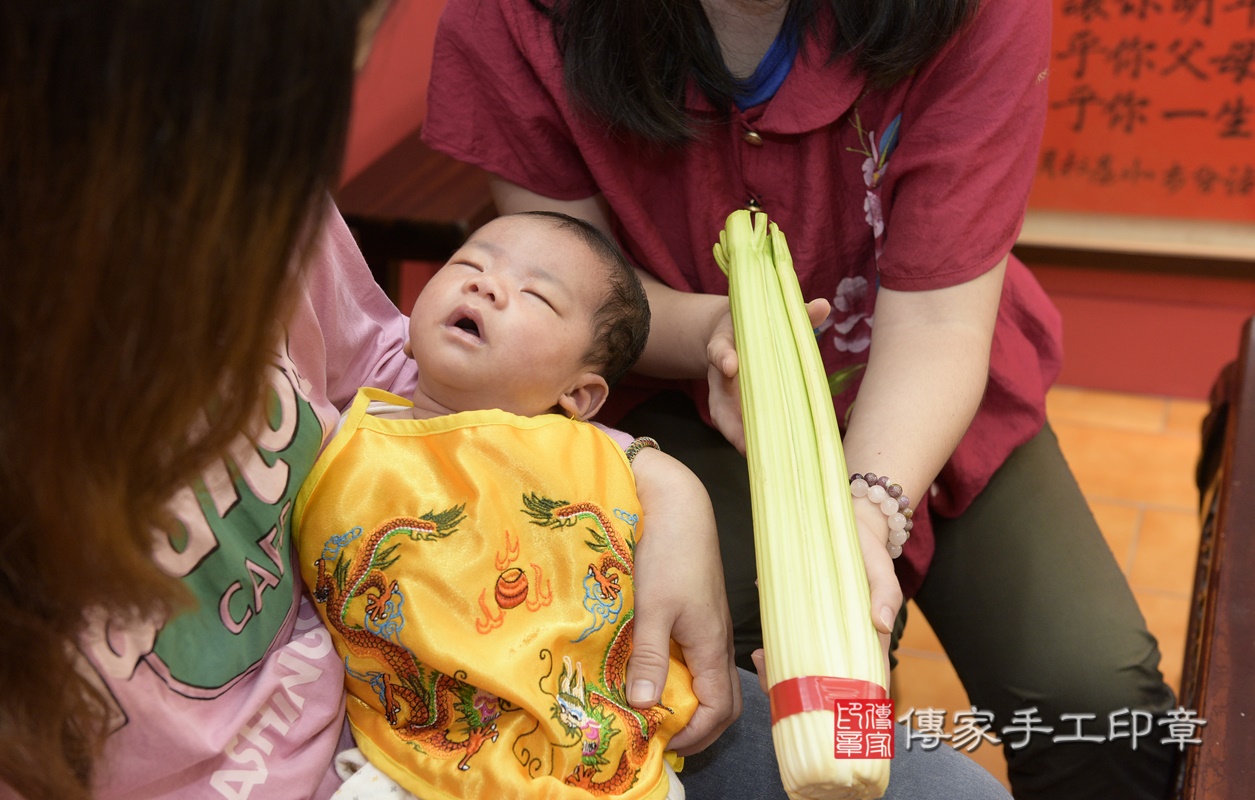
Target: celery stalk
{"type": "Point", "coordinates": [813, 588]}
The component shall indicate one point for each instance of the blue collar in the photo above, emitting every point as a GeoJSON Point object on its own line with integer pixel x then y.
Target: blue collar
{"type": "Point", "coordinates": [770, 73]}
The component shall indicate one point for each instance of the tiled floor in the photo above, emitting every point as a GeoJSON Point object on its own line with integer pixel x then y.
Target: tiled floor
{"type": "Point", "coordinates": [1134, 458]}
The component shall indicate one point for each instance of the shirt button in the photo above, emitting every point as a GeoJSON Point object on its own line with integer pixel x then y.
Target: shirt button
{"type": "Point", "coordinates": [752, 137]}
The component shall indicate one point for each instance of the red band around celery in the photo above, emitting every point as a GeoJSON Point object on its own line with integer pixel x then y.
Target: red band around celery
{"type": "Point", "coordinates": [818, 693]}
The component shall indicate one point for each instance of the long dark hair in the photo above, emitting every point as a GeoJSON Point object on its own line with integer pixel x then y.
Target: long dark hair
{"type": "Point", "coordinates": [628, 62]}
{"type": "Point", "coordinates": [161, 164]}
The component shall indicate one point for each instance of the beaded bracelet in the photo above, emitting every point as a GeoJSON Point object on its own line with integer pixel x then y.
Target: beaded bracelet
{"type": "Point", "coordinates": [895, 506]}
{"type": "Point", "coordinates": [638, 444]}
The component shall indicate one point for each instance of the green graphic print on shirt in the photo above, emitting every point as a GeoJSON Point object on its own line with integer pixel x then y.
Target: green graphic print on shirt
{"type": "Point", "coordinates": [242, 582]}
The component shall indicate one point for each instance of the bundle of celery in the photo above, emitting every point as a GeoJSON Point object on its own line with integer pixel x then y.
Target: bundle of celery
{"type": "Point", "coordinates": [812, 584]}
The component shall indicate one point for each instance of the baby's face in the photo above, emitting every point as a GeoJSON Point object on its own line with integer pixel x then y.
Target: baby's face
{"type": "Point", "coordinates": [507, 321]}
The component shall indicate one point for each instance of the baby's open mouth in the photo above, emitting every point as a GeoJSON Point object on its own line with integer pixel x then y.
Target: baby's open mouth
{"type": "Point", "coordinates": [467, 324]}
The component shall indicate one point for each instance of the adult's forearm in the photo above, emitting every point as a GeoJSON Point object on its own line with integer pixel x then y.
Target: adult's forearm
{"type": "Point", "coordinates": [915, 403]}
{"type": "Point", "coordinates": [680, 329]}
{"type": "Point", "coordinates": [926, 375]}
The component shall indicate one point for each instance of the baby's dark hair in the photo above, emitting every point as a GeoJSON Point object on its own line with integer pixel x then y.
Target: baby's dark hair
{"type": "Point", "coordinates": [621, 322]}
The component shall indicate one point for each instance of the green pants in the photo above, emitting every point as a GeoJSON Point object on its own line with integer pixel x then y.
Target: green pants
{"type": "Point", "coordinates": [1024, 595]}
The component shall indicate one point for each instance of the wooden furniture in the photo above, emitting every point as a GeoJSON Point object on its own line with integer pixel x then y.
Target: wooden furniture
{"type": "Point", "coordinates": [1220, 644]}
{"type": "Point", "coordinates": [413, 204]}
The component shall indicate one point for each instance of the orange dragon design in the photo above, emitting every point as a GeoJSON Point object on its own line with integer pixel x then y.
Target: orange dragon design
{"type": "Point", "coordinates": [591, 710]}
{"type": "Point", "coordinates": [599, 711]}
{"type": "Point", "coordinates": [616, 550]}
{"type": "Point", "coordinates": [421, 705]}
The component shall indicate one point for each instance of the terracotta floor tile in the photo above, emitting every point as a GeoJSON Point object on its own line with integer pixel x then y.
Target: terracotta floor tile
{"type": "Point", "coordinates": [1132, 466]}
{"type": "Point", "coordinates": [1167, 549]}
{"type": "Point", "coordinates": [1167, 617]}
{"type": "Point", "coordinates": [1185, 417]}
{"type": "Point", "coordinates": [919, 634]}
{"type": "Point", "coordinates": [1118, 522]}
{"type": "Point", "coordinates": [927, 681]}
{"type": "Point", "coordinates": [1107, 409]}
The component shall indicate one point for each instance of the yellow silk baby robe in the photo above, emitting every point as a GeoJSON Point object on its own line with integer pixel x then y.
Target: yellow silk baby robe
{"type": "Point", "coordinates": [475, 572]}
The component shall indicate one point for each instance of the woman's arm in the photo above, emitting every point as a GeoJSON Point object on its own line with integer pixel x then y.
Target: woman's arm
{"type": "Point", "coordinates": [680, 595]}
{"type": "Point", "coordinates": [926, 374]}
{"type": "Point", "coordinates": [359, 330]}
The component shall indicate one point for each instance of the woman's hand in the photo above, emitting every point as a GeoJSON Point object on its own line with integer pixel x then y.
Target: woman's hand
{"type": "Point", "coordinates": [725, 388]}
{"type": "Point", "coordinates": [723, 366]}
{"type": "Point", "coordinates": [886, 593]}
{"type": "Point", "coordinates": [680, 597]}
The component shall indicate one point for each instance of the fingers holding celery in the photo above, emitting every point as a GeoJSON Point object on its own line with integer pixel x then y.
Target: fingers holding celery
{"type": "Point", "coordinates": [721, 374]}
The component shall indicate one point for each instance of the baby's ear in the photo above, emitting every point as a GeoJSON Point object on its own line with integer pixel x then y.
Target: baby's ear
{"type": "Point", "coordinates": [407, 349]}
{"type": "Point", "coordinates": [585, 397]}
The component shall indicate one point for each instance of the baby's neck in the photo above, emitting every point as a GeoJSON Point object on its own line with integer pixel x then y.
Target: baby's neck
{"type": "Point", "coordinates": [426, 408]}
{"type": "Point", "coordinates": [423, 407]}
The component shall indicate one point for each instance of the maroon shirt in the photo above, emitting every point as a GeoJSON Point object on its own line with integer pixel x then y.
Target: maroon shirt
{"type": "Point", "coordinates": [920, 186]}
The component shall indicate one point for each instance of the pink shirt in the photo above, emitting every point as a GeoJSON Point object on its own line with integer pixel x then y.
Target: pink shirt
{"type": "Point", "coordinates": [243, 696]}
{"type": "Point", "coordinates": [920, 186]}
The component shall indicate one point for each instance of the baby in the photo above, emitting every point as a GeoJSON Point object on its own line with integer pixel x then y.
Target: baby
{"type": "Point", "coordinates": [472, 550]}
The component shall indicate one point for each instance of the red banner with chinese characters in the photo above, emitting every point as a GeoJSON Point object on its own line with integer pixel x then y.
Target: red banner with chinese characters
{"type": "Point", "coordinates": [1152, 109]}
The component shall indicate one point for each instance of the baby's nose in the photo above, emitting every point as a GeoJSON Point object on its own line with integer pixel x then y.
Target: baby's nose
{"type": "Point", "coordinates": [485, 287]}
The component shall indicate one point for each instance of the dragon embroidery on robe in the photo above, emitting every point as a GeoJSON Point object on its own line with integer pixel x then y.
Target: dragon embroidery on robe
{"type": "Point", "coordinates": [423, 706]}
